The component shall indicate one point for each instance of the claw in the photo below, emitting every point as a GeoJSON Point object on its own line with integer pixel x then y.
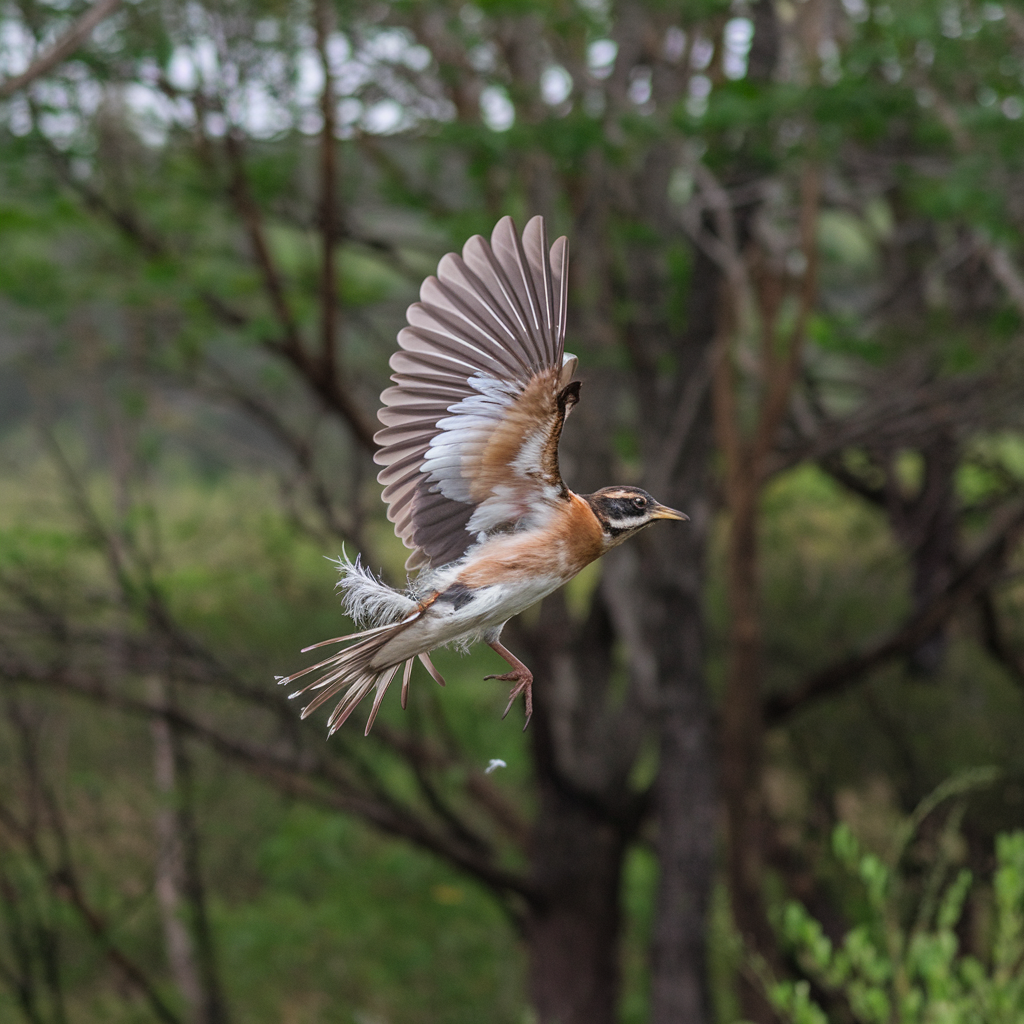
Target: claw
{"type": "Point", "coordinates": [524, 685]}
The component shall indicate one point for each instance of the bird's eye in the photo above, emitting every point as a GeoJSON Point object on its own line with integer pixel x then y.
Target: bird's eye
{"type": "Point", "coordinates": [639, 502]}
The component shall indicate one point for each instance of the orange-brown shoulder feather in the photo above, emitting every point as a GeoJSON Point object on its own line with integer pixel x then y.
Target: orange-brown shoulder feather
{"type": "Point", "coordinates": [522, 450]}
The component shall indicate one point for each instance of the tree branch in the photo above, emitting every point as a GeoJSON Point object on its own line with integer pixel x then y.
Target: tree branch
{"type": "Point", "coordinates": [328, 211]}
{"type": "Point", "coordinates": [314, 371]}
{"type": "Point", "coordinates": [62, 48]}
{"type": "Point", "coordinates": [298, 774]}
{"type": "Point", "coordinates": [780, 382]}
{"type": "Point", "coordinates": [995, 641]}
{"type": "Point", "coordinates": [62, 879]}
{"type": "Point", "coordinates": [302, 451]}
{"type": "Point", "coordinates": [970, 581]}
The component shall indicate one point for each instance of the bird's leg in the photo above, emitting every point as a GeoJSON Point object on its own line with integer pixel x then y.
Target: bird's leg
{"type": "Point", "coordinates": [520, 675]}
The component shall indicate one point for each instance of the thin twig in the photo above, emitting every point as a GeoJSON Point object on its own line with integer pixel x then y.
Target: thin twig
{"type": "Point", "coordinates": [973, 579]}
{"type": "Point", "coordinates": [62, 48]}
{"type": "Point", "coordinates": [290, 347]}
{"type": "Point", "coordinates": [296, 774]}
{"type": "Point", "coordinates": [328, 201]}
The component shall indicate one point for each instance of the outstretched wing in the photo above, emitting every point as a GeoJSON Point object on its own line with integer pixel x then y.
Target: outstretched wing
{"type": "Point", "coordinates": [470, 442]}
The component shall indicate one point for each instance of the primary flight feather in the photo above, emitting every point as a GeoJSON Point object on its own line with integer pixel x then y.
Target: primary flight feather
{"type": "Point", "coordinates": [471, 479]}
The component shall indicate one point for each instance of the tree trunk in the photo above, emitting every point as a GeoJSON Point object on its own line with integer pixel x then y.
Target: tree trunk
{"type": "Point", "coordinates": [179, 887]}
{"type": "Point", "coordinates": [742, 738]}
{"type": "Point", "coordinates": [929, 531]}
{"type": "Point", "coordinates": [586, 818]}
{"type": "Point", "coordinates": [574, 932]}
{"type": "Point", "coordinates": [170, 862]}
{"type": "Point", "coordinates": [686, 804]}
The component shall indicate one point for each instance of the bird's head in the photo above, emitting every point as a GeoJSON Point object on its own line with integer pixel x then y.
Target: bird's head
{"type": "Point", "coordinates": [623, 511]}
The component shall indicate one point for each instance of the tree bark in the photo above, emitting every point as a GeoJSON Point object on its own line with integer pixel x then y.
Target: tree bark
{"type": "Point", "coordinates": [586, 819]}
{"type": "Point", "coordinates": [685, 798]}
{"type": "Point", "coordinates": [574, 932]}
{"type": "Point", "coordinates": [742, 742]}
{"type": "Point", "coordinates": [179, 889]}
{"type": "Point", "coordinates": [170, 863]}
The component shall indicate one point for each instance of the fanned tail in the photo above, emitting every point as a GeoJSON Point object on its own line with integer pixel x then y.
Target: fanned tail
{"type": "Point", "coordinates": [353, 673]}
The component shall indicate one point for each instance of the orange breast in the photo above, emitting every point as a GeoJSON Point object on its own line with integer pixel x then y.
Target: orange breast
{"type": "Point", "coordinates": [568, 541]}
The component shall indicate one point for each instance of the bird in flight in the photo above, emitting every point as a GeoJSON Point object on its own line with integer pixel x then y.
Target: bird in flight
{"type": "Point", "coordinates": [470, 456]}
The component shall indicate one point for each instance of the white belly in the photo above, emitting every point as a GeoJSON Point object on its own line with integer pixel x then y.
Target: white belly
{"type": "Point", "coordinates": [486, 610]}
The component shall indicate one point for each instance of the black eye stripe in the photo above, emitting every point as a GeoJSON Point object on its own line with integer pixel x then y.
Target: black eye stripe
{"type": "Point", "coordinates": [625, 508]}
{"type": "Point", "coordinates": [622, 510]}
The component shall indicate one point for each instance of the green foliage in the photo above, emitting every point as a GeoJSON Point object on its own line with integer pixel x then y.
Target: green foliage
{"type": "Point", "coordinates": [903, 961]}
{"type": "Point", "coordinates": [318, 920]}
{"type": "Point", "coordinates": [125, 258]}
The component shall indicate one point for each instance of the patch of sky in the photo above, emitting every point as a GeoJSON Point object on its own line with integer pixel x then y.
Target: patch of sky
{"type": "Point", "coordinates": [192, 67]}
{"type": "Point", "coordinates": [339, 51]}
{"type": "Point", "coordinates": [892, 70]}
{"type": "Point", "coordinates": [640, 85]}
{"type": "Point", "coordinates": [471, 16]}
{"type": "Point", "coordinates": [152, 112]}
{"type": "Point", "coordinates": [701, 53]}
{"type": "Point", "coordinates": [388, 45]}
{"type": "Point", "coordinates": [309, 77]}
{"type": "Point", "coordinates": [260, 112]}
{"type": "Point", "coordinates": [952, 28]}
{"type": "Point", "coordinates": [497, 109]}
{"type": "Point", "coordinates": [483, 57]}
{"type": "Point", "coordinates": [16, 47]}
{"type": "Point", "coordinates": [311, 122]}
{"type": "Point", "coordinates": [215, 124]}
{"type": "Point", "coordinates": [19, 116]}
{"type": "Point", "coordinates": [383, 118]}
{"type": "Point", "coordinates": [601, 54]}
{"type": "Point", "coordinates": [737, 37]}
{"type": "Point", "coordinates": [674, 45]}
{"type": "Point", "coordinates": [349, 111]}
{"type": "Point", "coordinates": [266, 30]}
{"type": "Point", "coordinates": [857, 10]}
{"type": "Point", "coordinates": [354, 74]}
{"type": "Point", "coordinates": [699, 91]}
{"type": "Point", "coordinates": [106, 36]}
{"type": "Point", "coordinates": [555, 85]}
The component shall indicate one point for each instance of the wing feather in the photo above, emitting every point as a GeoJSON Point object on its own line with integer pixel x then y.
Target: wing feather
{"type": "Point", "coordinates": [482, 386]}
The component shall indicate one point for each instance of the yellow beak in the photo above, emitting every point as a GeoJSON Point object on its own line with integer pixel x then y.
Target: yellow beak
{"type": "Point", "coordinates": [664, 512]}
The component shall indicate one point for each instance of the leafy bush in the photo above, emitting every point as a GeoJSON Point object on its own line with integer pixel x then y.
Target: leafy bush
{"type": "Point", "coordinates": [902, 963]}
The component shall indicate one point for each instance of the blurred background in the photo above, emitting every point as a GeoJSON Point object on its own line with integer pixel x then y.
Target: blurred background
{"type": "Point", "coordinates": [776, 767]}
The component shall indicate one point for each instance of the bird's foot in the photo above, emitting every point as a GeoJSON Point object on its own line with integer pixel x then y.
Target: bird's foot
{"type": "Point", "coordinates": [523, 678]}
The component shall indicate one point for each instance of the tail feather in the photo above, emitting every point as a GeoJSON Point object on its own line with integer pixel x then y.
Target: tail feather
{"type": "Point", "coordinates": [406, 676]}
{"type": "Point", "coordinates": [357, 669]}
{"type": "Point", "coordinates": [350, 636]}
{"type": "Point", "coordinates": [346, 668]}
{"type": "Point", "coordinates": [353, 674]}
{"type": "Point", "coordinates": [383, 682]}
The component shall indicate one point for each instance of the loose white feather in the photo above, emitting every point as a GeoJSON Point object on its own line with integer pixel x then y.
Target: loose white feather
{"type": "Point", "coordinates": [368, 600]}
